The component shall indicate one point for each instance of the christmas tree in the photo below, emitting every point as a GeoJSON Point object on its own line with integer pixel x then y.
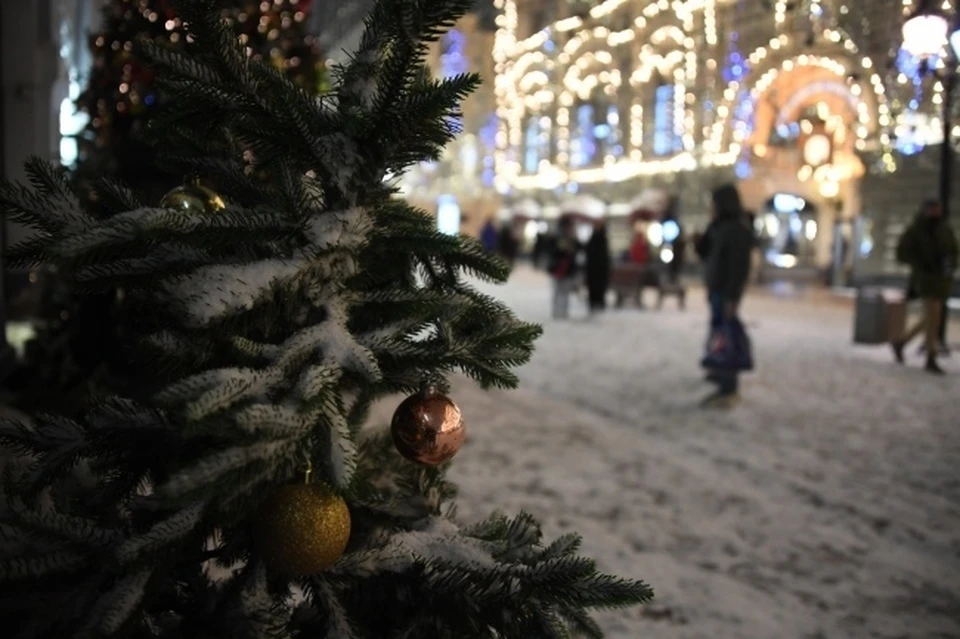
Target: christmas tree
{"type": "Point", "coordinates": [77, 350]}
{"type": "Point", "coordinates": [240, 497]}
{"type": "Point", "coordinates": [122, 97]}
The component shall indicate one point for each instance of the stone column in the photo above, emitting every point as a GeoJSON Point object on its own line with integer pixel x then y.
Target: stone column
{"type": "Point", "coordinates": [27, 69]}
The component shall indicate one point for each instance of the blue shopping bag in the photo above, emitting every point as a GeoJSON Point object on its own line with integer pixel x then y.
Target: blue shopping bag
{"type": "Point", "coordinates": [729, 348]}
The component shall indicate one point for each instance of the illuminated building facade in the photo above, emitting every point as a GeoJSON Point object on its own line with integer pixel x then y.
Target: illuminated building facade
{"type": "Point", "coordinates": [458, 188]}
{"type": "Point", "coordinates": [808, 100]}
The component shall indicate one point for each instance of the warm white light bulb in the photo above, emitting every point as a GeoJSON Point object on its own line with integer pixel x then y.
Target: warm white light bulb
{"type": "Point", "coordinates": [924, 35]}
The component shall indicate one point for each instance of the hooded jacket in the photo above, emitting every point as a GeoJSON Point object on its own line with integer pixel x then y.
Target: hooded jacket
{"type": "Point", "coordinates": [726, 246]}
{"type": "Point", "coordinates": [929, 247]}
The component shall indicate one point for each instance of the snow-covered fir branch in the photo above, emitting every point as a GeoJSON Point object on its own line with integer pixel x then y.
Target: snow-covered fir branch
{"type": "Point", "coordinates": [280, 319]}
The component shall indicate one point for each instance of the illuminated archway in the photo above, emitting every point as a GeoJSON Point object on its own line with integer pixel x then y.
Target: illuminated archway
{"type": "Point", "coordinates": [669, 57]}
{"type": "Point", "coordinates": [533, 127]}
{"type": "Point", "coordinates": [588, 105]}
{"type": "Point", "coordinates": [783, 55]}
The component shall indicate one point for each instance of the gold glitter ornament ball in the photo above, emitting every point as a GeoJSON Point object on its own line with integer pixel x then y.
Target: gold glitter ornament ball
{"type": "Point", "coordinates": [193, 197]}
{"type": "Point", "coordinates": [302, 529]}
{"type": "Point", "coordinates": [428, 428]}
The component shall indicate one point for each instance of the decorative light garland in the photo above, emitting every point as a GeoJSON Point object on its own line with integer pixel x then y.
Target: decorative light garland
{"type": "Point", "coordinates": [524, 71]}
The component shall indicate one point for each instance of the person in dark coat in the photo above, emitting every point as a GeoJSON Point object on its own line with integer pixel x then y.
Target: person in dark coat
{"type": "Point", "coordinates": [507, 243]}
{"type": "Point", "coordinates": [563, 267]}
{"type": "Point", "coordinates": [725, 249]}
{"type": "Point", "coordinates": [598, 267]}
{"type": "Point", "coordinates": [489, 236]}
{"type": "Point", "coordinates": [929, 248]}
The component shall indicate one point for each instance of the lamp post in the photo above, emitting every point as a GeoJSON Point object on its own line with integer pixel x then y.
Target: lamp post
{"type": "Point", "coordinates": [925, 34]}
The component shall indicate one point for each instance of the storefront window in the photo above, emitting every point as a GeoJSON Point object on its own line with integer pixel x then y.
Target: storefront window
{"type": "Point", "coordinates": [666, 138]}
{"type": "Point", "coordinates": [608, 132]}
{"type": "Point", "coordinates": [536, 142]}
{"type": "Point", "coordinates": [530, 159]}
{"type": "Point", "coordinates": [583, 143]}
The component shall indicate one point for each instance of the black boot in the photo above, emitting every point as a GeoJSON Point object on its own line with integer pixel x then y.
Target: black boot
{"type": "Point", "coordinates": [897, 347]}
{"type": "Point", "coordinates": [933, 367]}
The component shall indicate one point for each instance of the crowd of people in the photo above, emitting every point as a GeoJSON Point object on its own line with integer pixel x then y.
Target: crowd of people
{"type": "Point", "coordinates": [727, 249]}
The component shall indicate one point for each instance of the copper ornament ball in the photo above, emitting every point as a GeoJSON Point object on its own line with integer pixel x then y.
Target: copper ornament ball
{"type": "Point", "coordinates": [302, 529]}
{"type": "Point", "coordinates": [428, 428]}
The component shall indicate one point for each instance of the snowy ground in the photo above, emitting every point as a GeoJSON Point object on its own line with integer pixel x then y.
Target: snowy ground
{"type": "Point", "coordinates": [827, 505]}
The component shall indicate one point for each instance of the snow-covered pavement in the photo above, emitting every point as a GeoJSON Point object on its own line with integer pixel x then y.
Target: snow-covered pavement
{"type": "Point", "coordinates": [826, 505]}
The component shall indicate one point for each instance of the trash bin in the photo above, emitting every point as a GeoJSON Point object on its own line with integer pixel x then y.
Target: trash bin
{"type": "Point", "coordinates": [872, 317]}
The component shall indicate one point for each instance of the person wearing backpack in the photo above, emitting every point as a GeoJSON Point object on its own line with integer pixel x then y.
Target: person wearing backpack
{"type": "Point", "coordinates": [929, 248]}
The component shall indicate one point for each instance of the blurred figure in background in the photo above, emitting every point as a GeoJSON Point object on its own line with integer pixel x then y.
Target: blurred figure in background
{"type": "Point", "coordinates": [563, 267]}
{"type": "Point", "coordinates": [541, 249]}
{"type": "Point", "coordinates": [756, 254]}
{"type": "Point", "coordinates": [489, 236]}
{"type": "Point", "coordinates": [929, 248]}
{"type": "Point", "coordinates": [598, 266]}
{"type": "Point", "coordinates": [640, 247]}
{"type": "Point", "coordinates": [507, 243]}
{"type": "Point", "coordinates": [726, 248]}
{"type": "Point", "coordinates": [679, 244]}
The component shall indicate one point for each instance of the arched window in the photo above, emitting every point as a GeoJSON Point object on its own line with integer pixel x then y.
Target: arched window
{"type": "Point", "coordinates": [583, 141]}
{"type": "Point", "coordinates": [610, 132]}
{"type": "Point", "coordinates": [596, 133]}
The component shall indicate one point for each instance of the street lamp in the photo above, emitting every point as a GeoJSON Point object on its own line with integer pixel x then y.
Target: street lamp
{"type": "Point", "coordinates": [925, 33]}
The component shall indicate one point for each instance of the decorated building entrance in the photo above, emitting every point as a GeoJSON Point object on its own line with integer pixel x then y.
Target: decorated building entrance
{"type": "Point", "coordinates": [801, 126]}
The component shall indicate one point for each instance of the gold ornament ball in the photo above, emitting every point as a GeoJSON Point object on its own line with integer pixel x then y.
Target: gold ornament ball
{"type": "Point", "coordinates": [302, 529]}
{"type": "Point", "coordinates": [428, 428]}
{"type": "Point", "coordinates": [194, 198]}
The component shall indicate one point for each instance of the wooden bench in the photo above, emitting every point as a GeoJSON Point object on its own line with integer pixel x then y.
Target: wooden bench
{"type": "Point", "coordinates": [628, 282]}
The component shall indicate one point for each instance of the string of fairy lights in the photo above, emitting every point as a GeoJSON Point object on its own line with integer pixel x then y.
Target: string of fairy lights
{"type": "Point", "coordinates": [120, 87]}
{"type": "Point", "coordinates": [715, 85]}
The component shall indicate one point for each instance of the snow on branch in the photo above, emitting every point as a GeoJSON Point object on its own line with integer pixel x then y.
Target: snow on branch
{"type": "Point", "coordinates": [212, 292]}
{"type": "Point", "coordinates": [343, 449]}
{"type": "Point", "coordinates": [333, 339]}
{"type": "Point", "coordinates": [275, 420]}
{"type": "Point", "coordinates": [196, 385]}
{"type": "Point", "coordinates": [253, 386]}
{"type": "Point", "coordinates": [440, 538]}
{"type": "Point", "coordinates": [169, 530]}
{"type": "Point", "coordinates": [68, 528]}
{"type": "Point", "coordinates": [267, 615]}
{"type": "Point", "coordinates": [116, 607]}
{"type": "Point", "coordinates": [338, 229]}
{"type": "Point", "coordinates": [213, 467]}
{"type": "Point", "coordinates": [325, 598]}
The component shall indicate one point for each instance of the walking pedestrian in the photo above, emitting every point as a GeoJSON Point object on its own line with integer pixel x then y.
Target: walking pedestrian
{"type": "Point", "coordinates": [725, 248]}
{"type": "Point", "coordinates": [507, 243]}
{"type": "Point", "coordinates": [929, 248]}
{"type": "Point", "coordinates": [598, 267]}
{"type": "Point", "coordinates": [640, 246]}
{"type": "Point", "coordinates": [489, 236]}
{"type": "Point", "coordinates": [563, 267]}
